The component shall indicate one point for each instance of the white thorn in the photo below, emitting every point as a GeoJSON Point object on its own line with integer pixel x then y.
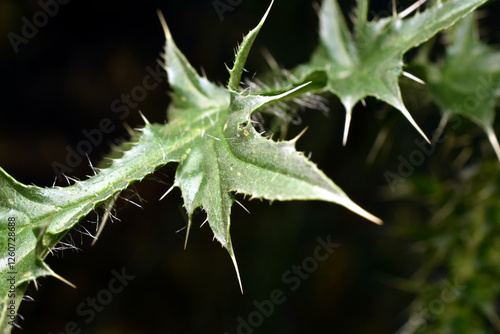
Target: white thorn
{"type": "Point", "coordinates": [233, 258]}
{"type": "Point", "coordinates": [411, 76]}
{"type": "Point", "coordinates": [277, 97]}
{"type": "Point", "coordinates": [180, 229]}
{"type": "Point", "coordinates": [297, 137]}
{"type": "Point", "coordinates": [164, 24]}
{"type": "Point", "coordinates": [493, 140]}
{"type": "Point", "coordinates": [348, 116]}
{"type": "Point", "coordinates": [62, 279]}
{"type": "Point", "coordinates": [410, 9]}
{"type": "Point", "coordinates": [187, 233]}
{"type": "Point", "coordinates": [132, 202]}
{"type": "Point", "coordinates": [410, 119]}
{"type": "Point", "coordinates": [144, 118]}
{"type": "Point", "coordinates": [360, 211]}
{"type": "Point", "coordinates": [165, 194]}
{"type": "Point", "coordinates": [420, 131]}
{"type": "Point", "coordinates": [242, 206]}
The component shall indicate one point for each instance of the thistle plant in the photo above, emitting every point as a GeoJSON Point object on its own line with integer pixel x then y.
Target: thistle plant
{"type": "Point", "coordinates": [212, 134]}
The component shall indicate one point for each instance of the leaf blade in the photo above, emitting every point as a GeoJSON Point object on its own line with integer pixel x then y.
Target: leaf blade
{"type": "Point", "coordinates": [468, 80]}
{"type": "Point", "coordinates": [371, 64]}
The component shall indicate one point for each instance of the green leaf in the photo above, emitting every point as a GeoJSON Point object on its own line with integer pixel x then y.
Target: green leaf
{"type": "Point", "coordinates": [228, 156]}
{"type": "Point", "coordinates": [44, 215]}
{"type": "Point", "coordinates": [468, 80]}
{"type": "Point", "coordinates": [370, 63]}
{"type": "Point", "coordinates": [242, 53]}
{"type": "Point", "coordinates": [209, 133]}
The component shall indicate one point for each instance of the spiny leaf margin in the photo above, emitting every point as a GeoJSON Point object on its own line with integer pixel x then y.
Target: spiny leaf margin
{"type": "Point", "coordinates": [369, 62]}
{"type": "Point", "coordinates": [47, 214]}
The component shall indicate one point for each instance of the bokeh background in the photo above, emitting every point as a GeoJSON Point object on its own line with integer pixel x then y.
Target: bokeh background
{"type": "Point", "coordinates": [65, 79]}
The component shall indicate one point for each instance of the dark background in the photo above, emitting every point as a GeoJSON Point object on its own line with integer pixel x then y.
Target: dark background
{"type": "Point", "coordinates": [64, 81]}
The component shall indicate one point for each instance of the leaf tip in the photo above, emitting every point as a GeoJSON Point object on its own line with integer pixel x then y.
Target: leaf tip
{"type": "Point", "coordinates": [62, 279]}
{"type": "Point", "coordinates": [267, 12]}
{"type": "Point", "coordinates": [297, 137]}
{"type": "Point", "coordinates": [347, 125]}
{"type": "Point", "coordinates": [280, 96]}
{"type": "Point", "coordinates": [365, 214]}
{"type": "Point", "coordinates": [411, 9]}
{"type": "Point", "coordinates": [187, 233]}
{"type": "Point", "coordinates": [414, 78]}
{"type": "Point", "coordinates": [164, 25]}
{"type": "Point", "coordinates": [144, 118]}
{"type": "Point", "coordinates": [492, 137]}
{"type": "Point", "coordinates": [242, 53]}
{"type": "Point", "coordinates": [349, 204]}
{"type": "Point", "coordinates": [410, 119]}
{"type": "Point", "coordinates": [348, 105]}
{"type": "Point", "coordinates": [233, 258]}
{"type": "Point", "coordinates": [167, 192]}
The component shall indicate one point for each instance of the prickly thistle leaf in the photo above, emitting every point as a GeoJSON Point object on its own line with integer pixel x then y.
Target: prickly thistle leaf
{"type": "Point", "coordinates": [370, 63]}
{"type": "Point", "coordinates": [468, 80]}
{"type": "Point", "coordinates": [210, 135]}
{"type": "Point", "coordinates": [228, 156]}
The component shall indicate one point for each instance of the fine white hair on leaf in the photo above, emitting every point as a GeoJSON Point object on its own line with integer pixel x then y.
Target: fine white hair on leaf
{"type": "Point", "coordinates": [312, 101]}
{"type": "Point", "coordinates": [66, 178]}
{"type": "Point", "coordinates": [72, 241]}
{"type": "Point", "coordinates": [181, 229]}
{"type": "Point", "coordinates": [28, 298]}
{"type": "Point", "coordinates": [131, 202]}
{"type": "Point", "coordinates": [61, 246]}
{"type": "Point", "coordinates": [242, 206]}
{"type": "Point", "coordinates": [15, 324]}
{"type": "Point", "coordinates": [108, 207]}
{"type": "Point", "coordinates": [112, 217]}
{"type": "Point", "coordinates": [91, 166]}
{"type": "Point", "coordinates": [85, 232]}
{"type": "Point", "coordinates": [74, 179]}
